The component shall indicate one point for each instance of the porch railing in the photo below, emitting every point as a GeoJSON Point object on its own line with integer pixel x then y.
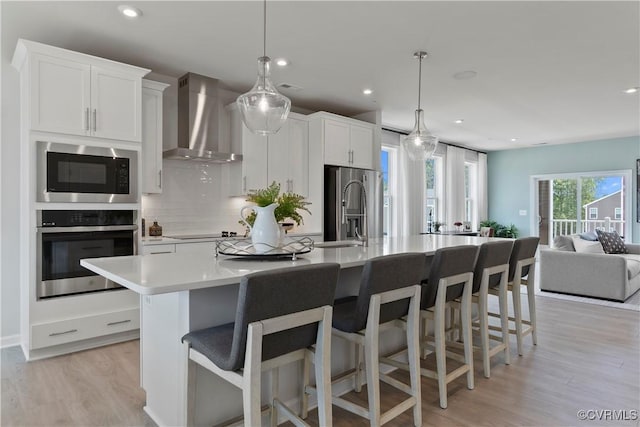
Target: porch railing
{"type": "Point", "coordinates": [570, 226]}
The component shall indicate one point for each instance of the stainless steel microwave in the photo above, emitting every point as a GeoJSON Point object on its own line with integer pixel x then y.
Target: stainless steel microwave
{"type": "Point", "coordinates": [81, 173]}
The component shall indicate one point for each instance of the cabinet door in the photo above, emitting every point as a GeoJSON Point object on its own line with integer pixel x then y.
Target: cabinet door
{"type": "Point", "coordinates": [116, 111]}
{"type": "Point", "coordinates": [254, 164]}
{"type": "Point", "coordinates": [336, 143]}
{"type": "Point", "coordinates": [298, 156]}
{"type": "Point", "coordinates": [151, 141]}
{"type": "Point", "coordinates": [280, 159]}
{"type": "Point", "coordinates": [60, 95]}
{"type": "Point", "coordinates": [361, 146]}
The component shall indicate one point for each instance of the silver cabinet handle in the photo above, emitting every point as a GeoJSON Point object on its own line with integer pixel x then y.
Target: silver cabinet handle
{"type": "Point", "coordinates": [160, 178]}
{"type": "Point", "coordinates": [86, 119]}
{"type": "Point", "coordinates": [244, 184]}
{"type": "Point", "coordinates": [95, 120]}
{"type": "Point", "coordinates": [156, 253]}
{"type": "Point", "coordinates": [120, 322]}
{"type": "Point", "coordinates": [70, 331]}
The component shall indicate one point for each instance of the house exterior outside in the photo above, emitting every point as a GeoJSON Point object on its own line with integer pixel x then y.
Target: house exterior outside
{"type": "Point", "coordinates": [608, 206]}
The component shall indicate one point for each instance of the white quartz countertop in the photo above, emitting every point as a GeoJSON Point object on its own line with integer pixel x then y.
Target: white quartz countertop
{"type": "Point", "coordinates": [174, 272]}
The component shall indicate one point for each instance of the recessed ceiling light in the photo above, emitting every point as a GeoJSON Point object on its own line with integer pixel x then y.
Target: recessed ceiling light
{"type": "Point", "coordinates": [465, 75]}
{"type": "Point", "coordinates": [459, 121]}
{"type": "Point", "coordinates": [631, 90]}
{"type": "Point", "coordinates": [282, 62]}
{"type": "Point", "coordinates": [367, 91]}
{"type": "Point", "coordinates": [514, 139]}
{"type": "Point", "coordinates": [130, 11]}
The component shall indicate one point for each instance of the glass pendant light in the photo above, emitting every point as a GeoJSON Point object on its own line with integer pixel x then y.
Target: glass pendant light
{"type": "Point", "coordinates": [420, 143]}
{"type": "Point", "coordinates": [264, 110]}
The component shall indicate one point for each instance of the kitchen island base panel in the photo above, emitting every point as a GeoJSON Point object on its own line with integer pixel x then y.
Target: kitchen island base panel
{"type": "Point", "coordinates": [166, 318]}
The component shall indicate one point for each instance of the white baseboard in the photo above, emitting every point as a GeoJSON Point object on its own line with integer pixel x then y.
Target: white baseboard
{"type": "Point", "coordinates": [9, 341]}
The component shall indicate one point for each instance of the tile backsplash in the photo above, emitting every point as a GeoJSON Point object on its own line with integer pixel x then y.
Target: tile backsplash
{"type": "Point", "coordinates": [194, 200]}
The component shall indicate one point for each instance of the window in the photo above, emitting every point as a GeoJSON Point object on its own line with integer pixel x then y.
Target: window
{"type": "Point", "coordinates": [433, 184]}
{"type": "Point", "coordinates": [617, 213]}
{"type": "Point", "coordinates": [593, 213]}
{"type": "Point", "coordinates": [470, 193]}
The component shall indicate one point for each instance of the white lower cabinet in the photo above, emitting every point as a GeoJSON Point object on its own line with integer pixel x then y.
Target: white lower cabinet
{"type": "Point", "coordinates": [86, 327]}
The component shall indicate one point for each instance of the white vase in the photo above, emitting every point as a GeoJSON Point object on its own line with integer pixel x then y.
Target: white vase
{"type": "Point", "coordinates": [265, 232]}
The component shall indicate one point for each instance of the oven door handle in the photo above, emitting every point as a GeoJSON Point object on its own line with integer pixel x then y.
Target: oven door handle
{"type": "Point", "coordinates": [86, 229]}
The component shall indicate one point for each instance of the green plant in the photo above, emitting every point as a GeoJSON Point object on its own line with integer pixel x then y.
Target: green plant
{"type": "Point", "coordinates": [289, 204]}
{"type": "Point", "coordinates": [500, 230]}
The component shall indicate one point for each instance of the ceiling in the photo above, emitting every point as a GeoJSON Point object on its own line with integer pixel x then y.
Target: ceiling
{"type": "Point", "coordinates": [547, 72]}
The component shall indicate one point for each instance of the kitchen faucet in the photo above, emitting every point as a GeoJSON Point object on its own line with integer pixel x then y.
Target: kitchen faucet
{"type": "Point", "coordinates": [364, 239]}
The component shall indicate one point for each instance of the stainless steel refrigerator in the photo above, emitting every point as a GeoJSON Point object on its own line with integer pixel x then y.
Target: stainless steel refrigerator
{"type": "Point", "coordinates": [344, 203]}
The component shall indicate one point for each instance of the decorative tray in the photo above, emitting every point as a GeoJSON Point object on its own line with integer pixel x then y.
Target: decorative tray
{"type": "Point", "coordinates": [244, 248]}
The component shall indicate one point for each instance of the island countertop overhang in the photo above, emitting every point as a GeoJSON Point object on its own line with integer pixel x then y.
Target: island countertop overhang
{"type": "Point", "coordinates": [176, 272]}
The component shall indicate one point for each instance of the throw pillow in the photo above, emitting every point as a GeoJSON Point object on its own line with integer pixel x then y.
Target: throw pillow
{"type": "Point", "coordinates": [589, 235]}
{"type": "Point", "coordinates": [586, 246]}
{"type": "Point", "coordinates": [611, 242]}
{"type": "Point", "coordinates": [563, 243]}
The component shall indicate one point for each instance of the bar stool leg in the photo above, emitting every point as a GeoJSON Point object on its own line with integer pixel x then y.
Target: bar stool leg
{"type": "Point", "coordinates": [323, 370]}
{"type": "Point", "coordinates": [358, 378]}
{"type": "Point", "coordinates": [275, 386]}
{"type": "Point", "coordinates": [371, 361]}
{"type": "Point", "coordinates": [484, 327]}
{"type": "Point", "coordinates": [465, 314]}
{"type": "Point", "coordinates": [190, 387]}
{"type": "Point", "coordinates": [504, 317]}
{"type": "Point", "coordinates": [413, 340]}
{"type": "Point", "coordinates": [441, 363]}
{"type": "Point", "coordinates": [517, 311]}
{"type": "Point", "coordinates": [251, 375]}
{"type": "Point", "coordinates": [306, 368]}
{"type": "Point", "coordinates": [532, 306]}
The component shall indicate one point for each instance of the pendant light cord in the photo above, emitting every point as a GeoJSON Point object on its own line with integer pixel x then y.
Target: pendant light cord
{"type": "Point", "coordinates": [419, 77]}
{"type": "Point", "coordinates": [264, 28]}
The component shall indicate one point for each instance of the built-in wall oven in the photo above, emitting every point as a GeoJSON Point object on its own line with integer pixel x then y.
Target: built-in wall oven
{"type": "Point", "coordinates": [64, 237]}
{"type": "Point", "coordinates": [81, 173]}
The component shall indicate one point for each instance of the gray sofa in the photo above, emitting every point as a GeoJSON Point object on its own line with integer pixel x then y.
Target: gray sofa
{"type": "Point", "coordinates": [589, 271]}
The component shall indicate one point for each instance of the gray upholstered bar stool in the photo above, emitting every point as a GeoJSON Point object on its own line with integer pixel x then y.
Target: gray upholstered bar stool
{"type": "Point", "coordinates": [280, 314]}
{"type": "Point", "coordinates": [450, 278]}
{"type": "Point", "coordinates": [389, 291]}
{"type": "Point", "coordinates": [492, 270]}
{"type": "Point", "coordinates": [522, 273]}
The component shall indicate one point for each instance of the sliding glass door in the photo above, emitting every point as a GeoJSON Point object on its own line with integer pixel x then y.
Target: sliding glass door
{"type": "Point", "coordinates": [578, 203]}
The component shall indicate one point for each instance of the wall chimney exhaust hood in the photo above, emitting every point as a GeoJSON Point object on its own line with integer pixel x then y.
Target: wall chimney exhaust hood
{"type": "Point", "coordinates": [199, 124]}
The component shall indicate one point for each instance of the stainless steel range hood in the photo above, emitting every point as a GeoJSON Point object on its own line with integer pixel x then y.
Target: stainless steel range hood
{"type": "Point", "coordinates": [199, 122]}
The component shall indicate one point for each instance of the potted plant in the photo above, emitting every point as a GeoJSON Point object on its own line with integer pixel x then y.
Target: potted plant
{"type": "Point", "coordinates": [289, 206]}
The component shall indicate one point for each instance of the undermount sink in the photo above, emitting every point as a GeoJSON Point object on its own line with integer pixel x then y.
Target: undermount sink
{"type": "Point", "coordinates": [338, 244]}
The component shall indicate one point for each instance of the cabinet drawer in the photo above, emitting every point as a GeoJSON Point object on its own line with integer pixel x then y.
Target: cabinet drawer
{"type": "Point", "coordinates": [209, 247]}
{"type": "Point", "coordinates": [81, 328]}
{"type": "Point", "coordinates": [158, 249]}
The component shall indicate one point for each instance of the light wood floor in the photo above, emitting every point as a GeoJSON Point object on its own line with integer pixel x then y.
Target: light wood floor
{"type": "Point", "coordinates": [588, 357]}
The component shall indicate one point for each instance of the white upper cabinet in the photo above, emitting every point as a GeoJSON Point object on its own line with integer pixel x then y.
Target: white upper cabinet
{"type": "Point", "coordinates": [61, 95]}
{"type": "Point", "coordinates": [288, 156]}
{"type": "Point", "coordinates": [116, 105]}
{"type": "Point", "coordinates": [80, 94]}
{"type": "Point", "coordinates": [347, 142]}
{"type": "Point", "coordinates": [282, 157]}
{"type": "Point", "coordinates": [152, 136]}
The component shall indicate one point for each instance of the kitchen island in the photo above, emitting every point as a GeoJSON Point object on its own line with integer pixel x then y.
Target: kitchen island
{"type": "Point", "coordinates": [183, 292]}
